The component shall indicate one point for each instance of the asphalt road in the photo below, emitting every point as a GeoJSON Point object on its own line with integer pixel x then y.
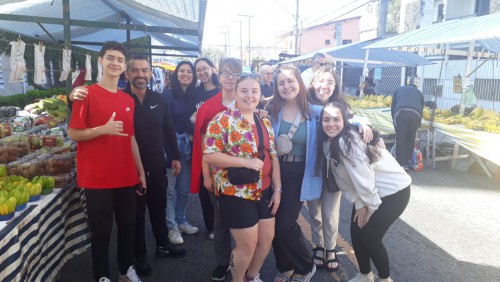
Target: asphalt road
{"type": "Point", "coordinates": [450, 231]}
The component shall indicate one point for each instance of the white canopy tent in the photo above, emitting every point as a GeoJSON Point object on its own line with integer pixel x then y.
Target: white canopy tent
{"type": "Point", "coordinates": [477, 37]}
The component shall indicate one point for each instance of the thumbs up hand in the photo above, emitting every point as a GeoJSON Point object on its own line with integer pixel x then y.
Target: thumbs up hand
{"type": "Point", "coordinates": [113, 127]}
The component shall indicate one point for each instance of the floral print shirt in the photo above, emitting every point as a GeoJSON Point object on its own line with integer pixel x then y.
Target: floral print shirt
{"type": "Point", "coordinates": [230, 133]}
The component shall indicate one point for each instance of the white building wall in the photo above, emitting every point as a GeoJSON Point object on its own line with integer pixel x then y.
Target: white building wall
{"type": "Point", "coordinates": [460, 8]}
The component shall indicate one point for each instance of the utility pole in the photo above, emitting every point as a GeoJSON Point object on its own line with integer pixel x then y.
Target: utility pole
{"type": "Point", "coordinates": [382, 18]}
{"type": "Point", "coordinates": [241, 41]}
{"type": "Point", "coordinates": [297, 30]}
{"type": "Point", "coordinates": [249, 46]}
{"type": "Point", "coordinates": [228, 50]}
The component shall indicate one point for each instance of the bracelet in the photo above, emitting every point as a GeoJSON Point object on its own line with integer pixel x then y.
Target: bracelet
{"type": "Point", "coordinates": [277, 191]}
{"type": "Point", "coordinates": [207, 175]}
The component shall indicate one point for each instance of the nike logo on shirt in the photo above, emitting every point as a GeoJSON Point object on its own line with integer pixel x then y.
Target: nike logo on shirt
{"type": "Point", "coordinates": [152, 107]}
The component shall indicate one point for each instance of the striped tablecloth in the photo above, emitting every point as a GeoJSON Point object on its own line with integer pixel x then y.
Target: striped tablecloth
{"type": "Point", "coordinates": [37, 243]}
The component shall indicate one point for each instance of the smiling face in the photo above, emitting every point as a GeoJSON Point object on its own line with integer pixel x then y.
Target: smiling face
{"type": "Point", "coordinates": [228, 83]}
{"type": "Point", "coordinates": [332, 121]}
{"type": "Point", "coordinates": [113, 63]}
{"type": "Point", "coordinates": [323, 86]}
{"type": "Point", "coordinates": [138, 73]}
{"type": "Point", "coordinates": [247, 94]}
{"type": "Point", "coordinates": [185, 75]}
{"type": "Point", "coordinates": [203, 71]}
{"type": "Point", "coordinates": [288, 85]}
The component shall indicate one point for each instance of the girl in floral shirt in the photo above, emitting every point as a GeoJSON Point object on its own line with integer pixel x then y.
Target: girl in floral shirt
{"type": "Point", "coordinates": [248, 210]}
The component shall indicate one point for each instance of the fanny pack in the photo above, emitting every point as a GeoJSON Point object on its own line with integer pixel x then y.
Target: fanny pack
{"type": "Point", "coordinates": [242, 175]}
{"type": "Point", "coordinates": [284, 141]}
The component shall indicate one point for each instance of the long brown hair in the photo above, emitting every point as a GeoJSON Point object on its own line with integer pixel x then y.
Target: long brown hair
{"type": "Point", "coordinates": [278, 102]}
{"type": "Point", "coordinates": [336, 95]}
{"type": "Point", "coordinates": [337, 153]}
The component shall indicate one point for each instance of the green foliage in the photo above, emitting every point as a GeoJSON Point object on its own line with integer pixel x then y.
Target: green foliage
{"type": "Point", "coordinates": [393, 16]}
{"type": "Point", "coordinates": [21, 100]}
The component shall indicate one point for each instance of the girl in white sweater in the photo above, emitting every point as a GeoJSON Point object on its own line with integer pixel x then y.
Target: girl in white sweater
{"type": "Point", "coordinates": [371, 179]}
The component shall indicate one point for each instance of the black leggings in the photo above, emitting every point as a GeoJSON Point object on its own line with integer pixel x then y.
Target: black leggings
{"type": "Point", "coordinates": [367, 242]}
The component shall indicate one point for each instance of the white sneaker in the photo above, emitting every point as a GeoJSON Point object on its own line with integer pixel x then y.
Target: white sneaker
{"type": "Point", "coordinates": [188, 228]}
{"type": "Point", "coordinates": [256, 279]}
{"type": "Point", "coordinates": [211, 235]}
{"type": "Point", "coordinates": [131, 276]}
{"type": "Point", "coordinates": [104, 279]}
{"type": "Point", "coordinates": [363, 278]}
{"type": "Point", "coordinates": [175, 237]}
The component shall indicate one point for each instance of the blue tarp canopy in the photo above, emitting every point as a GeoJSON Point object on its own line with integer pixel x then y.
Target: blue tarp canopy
{"type": "Point", "coordinates": [354, 54]}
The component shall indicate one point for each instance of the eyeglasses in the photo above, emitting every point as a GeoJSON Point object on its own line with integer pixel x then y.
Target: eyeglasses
{"type": "Point", "coordinates": [226, 74]}
{"type": "Point", "coordinates": [268, 73]}
{"type": "Point", "coordinates": [321, 64]}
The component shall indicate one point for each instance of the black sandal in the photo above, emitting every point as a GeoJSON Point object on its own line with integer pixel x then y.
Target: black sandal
{"type": "Point", "coordinates": [318, 258]}
{"type": "Point", "coordinates": [329, 261]}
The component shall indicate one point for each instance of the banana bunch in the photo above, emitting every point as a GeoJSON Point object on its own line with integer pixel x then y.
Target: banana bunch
{"type": "Point", "coordinates": [479, 119]}
{"type": "Point", "coordinates": [370, 101]}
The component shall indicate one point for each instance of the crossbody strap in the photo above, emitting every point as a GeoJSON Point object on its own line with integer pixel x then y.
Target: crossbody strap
{"type": "Point", "coordinates": [261, 137]}
{"type": "Point", "coordinates": [295, 125]}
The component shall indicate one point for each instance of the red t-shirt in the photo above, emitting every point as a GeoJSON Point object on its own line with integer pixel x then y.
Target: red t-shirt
{"type": "Point", "coordinates": [266, 169]}
{"type": "Point", "coordinates": [105, 161]}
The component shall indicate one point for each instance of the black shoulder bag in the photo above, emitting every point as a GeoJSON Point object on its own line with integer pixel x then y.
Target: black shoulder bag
{"type": "Point", "coordinates": [242, 175]}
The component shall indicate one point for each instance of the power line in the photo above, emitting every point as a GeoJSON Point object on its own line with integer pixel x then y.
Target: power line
{"type": "Point", "coordinates": [326, 15]}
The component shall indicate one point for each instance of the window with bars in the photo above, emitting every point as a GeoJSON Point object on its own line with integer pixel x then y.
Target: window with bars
{"type": "Point", "coordinates": [487, 89]}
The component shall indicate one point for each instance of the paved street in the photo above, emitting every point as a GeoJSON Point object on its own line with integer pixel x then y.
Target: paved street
{"type": "Point", "coordinates": [449, 232]}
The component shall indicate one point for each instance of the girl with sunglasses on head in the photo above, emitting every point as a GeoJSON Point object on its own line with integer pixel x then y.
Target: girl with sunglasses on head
{"type": "Point", "coordinates": [324, 211]}
{"type": "Point", "coordinates": [208, 87]}
{"type": "Point", "coordinates": [178, 98]}
{"type": "Point", "coordinates": [371, 179]}
{"type": "Point", "coordinates": [237, 138]}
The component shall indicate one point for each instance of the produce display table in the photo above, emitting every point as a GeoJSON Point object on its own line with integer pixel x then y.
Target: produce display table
{"type": "Point", "coordinates": [478, 143]}
{"type": "Point", "coordinates": [37, 242]}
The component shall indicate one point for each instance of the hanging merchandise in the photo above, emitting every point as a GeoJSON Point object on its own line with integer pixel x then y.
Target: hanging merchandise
{"type": "Point", "coordinates": [88, 68]}
{"type": "Point", "coordinates": [66, 64]}
{"type": "Point", "coordinates": [17, 62]}
{"type": "Point", "coordinates": [99, 71]}
{"type": "Point", "coordinates": [40, 77]}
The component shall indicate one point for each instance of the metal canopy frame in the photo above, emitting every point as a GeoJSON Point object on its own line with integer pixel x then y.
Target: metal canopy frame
{"type": "Point", "coordinates": [194, 29]}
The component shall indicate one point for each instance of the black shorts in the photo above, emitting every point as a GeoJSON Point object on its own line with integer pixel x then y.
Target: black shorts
{"type": "Point", "coordinates": [239, 213]}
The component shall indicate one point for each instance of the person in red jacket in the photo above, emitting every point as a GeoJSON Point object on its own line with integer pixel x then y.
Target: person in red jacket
{"type": "Point", "coordinates": [229, 71]}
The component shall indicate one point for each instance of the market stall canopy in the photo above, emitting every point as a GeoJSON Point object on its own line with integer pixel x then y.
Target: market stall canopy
{"type": "Point", "coordinates": [175, 24]}
{"type": "Point", "coordinates": [165, 65]}
{"type": "Point", "coordinates": [485, 30]}
{"type": "Point", "coordinates": [354, 54]}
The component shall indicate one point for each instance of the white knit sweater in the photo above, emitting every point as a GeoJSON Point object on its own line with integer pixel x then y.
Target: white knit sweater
{"type": "Point", "coordinates": [364, 184]}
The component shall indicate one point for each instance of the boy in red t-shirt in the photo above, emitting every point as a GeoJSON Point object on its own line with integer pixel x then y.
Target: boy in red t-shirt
{"type": "Point", "coordinates": [108, 163]}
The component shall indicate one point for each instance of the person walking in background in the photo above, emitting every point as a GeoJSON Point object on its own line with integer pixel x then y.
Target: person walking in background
{"type": "Point", "coordinates": [406, 111]}
{"type": "Point", "coordinates": [290, 110]}
{"type": "Point", "coordinates": [153, 128]}
{"type": "Point", "coordinates": [238, 138]}
{"type": "Point", "coordinates": [209, 86]}
{"type": "Point", "coordinates": [318, 60]}
{"type": "Point", "coordinates": [109, 165]}
{"type": "Point", "coordinates": [324, 211]}
{"type": "Point", "coordinates": [266, 85]}
{"type": "Point", "coordinates": [371, 180]}
{"type": "Point", "coordinates": [229, 71]}
{"type": "Point", "coordinates": [178, 99]}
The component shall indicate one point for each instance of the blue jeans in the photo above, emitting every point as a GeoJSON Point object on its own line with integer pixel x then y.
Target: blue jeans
{"type": "Point", "coordinates": [178, 193]}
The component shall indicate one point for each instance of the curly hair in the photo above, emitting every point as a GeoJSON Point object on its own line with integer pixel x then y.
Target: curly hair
{"type": "Point", "coordinates": [348, 134]}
